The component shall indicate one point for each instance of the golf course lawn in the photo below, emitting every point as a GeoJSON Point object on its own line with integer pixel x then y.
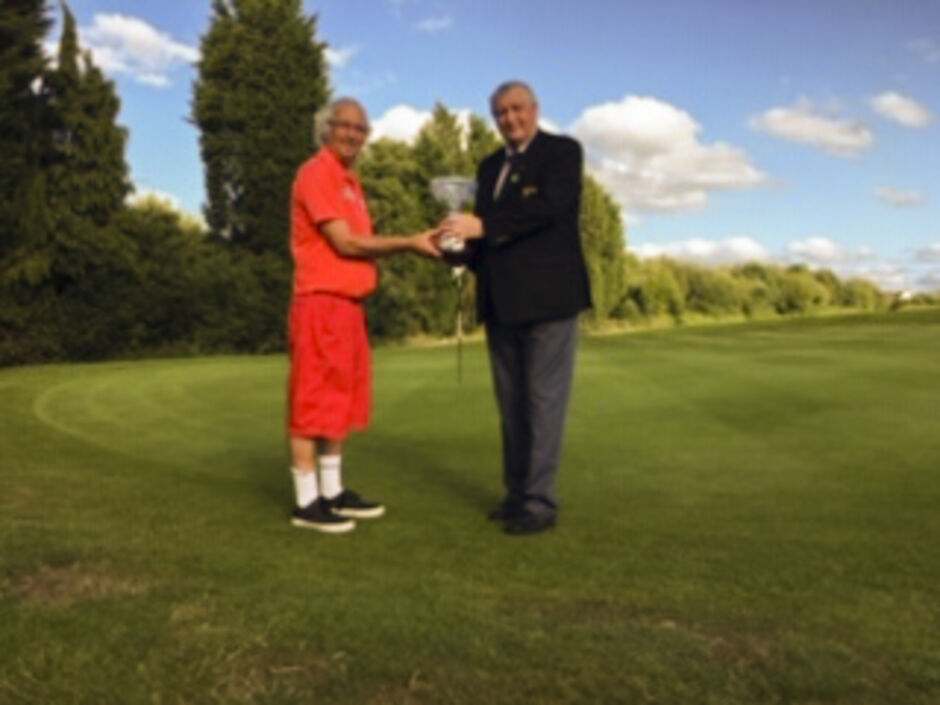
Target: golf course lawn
{"type": "Point", "coordinates": [751, 514]}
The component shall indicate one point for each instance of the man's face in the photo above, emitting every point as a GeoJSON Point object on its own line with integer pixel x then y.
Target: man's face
{"type": "Point", "coordinates": [348, 132]}
{"type": "Point", "coordinates": [516, 116]}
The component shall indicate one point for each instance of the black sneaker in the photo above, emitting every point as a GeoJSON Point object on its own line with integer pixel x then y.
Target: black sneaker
{"type": "Point", "coordinates": [318, 516]}
{"type": "Point", "coordinates": [506, 510]}
{"type": "Point", "coordinates": [348, 504]}
{"type": "Point", "coordinates": [528, 523]}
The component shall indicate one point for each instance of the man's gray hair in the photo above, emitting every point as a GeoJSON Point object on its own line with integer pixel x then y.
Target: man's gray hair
{"type": "Point", "coordinates": [325, 116]}
{"type": "Point", "coordinates": [508, 86]}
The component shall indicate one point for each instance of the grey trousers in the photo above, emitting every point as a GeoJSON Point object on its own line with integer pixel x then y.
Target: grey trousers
{"type": "Point", "coordinates": [532, 368]}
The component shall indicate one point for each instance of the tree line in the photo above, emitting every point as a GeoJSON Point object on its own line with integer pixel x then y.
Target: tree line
{"type": "Point", "coordinates": [86, 275]}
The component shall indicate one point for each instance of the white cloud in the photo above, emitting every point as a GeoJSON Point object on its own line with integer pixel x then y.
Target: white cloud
{"type": "Point", "coordinates": [154, 79]}
{"type": "Point", "coordinates": [801, 123]}
{"type": "Point", "coordinates": [647, 153]}
{"type": "Point", "coordinates": [891, 195]}
{"type": "Point", "coordinates": [929, 281]}
{"type": "Point", "coordinates": [927, 49]}
{"type": "Point", "coordinates": [931, 253]}
{"type": "Point", "coordinates": [823, 251]}
{"type": "Point", "coordinates": [339, 58]}
{"type": "Point", "coordinates": [901, 109]}
{"type": "Point", "coordinates": [129, 45]}
{"type": "Point", "coordinates": [888, 276]}
{"type": "Point", "coordinates": [434, 25]}
{"type": "Point", "coordinates": [921, 272]}
{"type": "Point", "coordinates": [925, 267]}
{"type": "Point", "coordinates": [918, 272]}
{"type": "Point", "coordinates": [401, 122]}
{"type": "Point", "coordinates": [404, 122]}
{"type": "Point", "coordinates": [729, 251]}
{"type": "Point", "coordinates": [546, 124]}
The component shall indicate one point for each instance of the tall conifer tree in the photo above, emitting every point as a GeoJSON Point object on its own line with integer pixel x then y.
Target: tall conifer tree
{"type": "Point", "coordinates": [92, 261]}
{"type": "Point", "coordinates": [63, 282]}
{"type": "Point", "coordinates": [262, 76]}
{"type": "Point", "coordinates": [82, 178]}
{"type": "Point", "coordinates": [23, 23]}
{"type": "Point", "coordinates": [89, 174]}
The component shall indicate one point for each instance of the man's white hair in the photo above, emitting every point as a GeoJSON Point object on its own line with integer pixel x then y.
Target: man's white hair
{"type": "Point", "coordinates": [322, 121]}
{"type": "Point", "coordinates": [507, 86]}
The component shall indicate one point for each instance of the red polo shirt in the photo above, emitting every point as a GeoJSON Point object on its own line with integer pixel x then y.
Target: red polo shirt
{"type": "Point", "coordinates": [325, 190]}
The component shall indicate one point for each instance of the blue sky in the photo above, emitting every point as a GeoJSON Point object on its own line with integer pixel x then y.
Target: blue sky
{"type": "Point", "coordinates": [805, 130]}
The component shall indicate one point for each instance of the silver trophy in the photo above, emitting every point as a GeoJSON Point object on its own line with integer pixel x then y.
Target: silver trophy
{"type": "Point", "coordinates": [457, 192]}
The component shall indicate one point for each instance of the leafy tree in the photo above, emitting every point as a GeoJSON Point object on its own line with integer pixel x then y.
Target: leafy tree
{"type": "Point", "coordinates": [602, 236]}
{"type": "Point", "coordinates": [417, 296]}
{"type": "Point", "coordinates": [481, 140]}
{"type": "Point", "coordinates": [396, 190]}
{"type": "Point", "coordinates": [194, 293]}
{"type": "Point", "coordinates": [262, 76]}
{"type": "Point", "coordinates": [860, 293]}
{"type": "Point", "coordinates": [712, 290]}
{"type": "Point", "coordinates": [800, 291]}
{"type": "Point", "coordinates": [627, 306]}
{"type": "Point", "coordinates": [657, 292]}
{"type": "Point", "coordinates": [761, 284]}
{"type": "Point", "coordinates": [171, 258]}
{"type": "Point", "coordinates": [440, 148]}
{"type": "Point", "coordinates": [833, 285]}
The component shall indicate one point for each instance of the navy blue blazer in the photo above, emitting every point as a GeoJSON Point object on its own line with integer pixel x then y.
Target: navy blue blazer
{"type": "Point", "coordinates": [530, 264]}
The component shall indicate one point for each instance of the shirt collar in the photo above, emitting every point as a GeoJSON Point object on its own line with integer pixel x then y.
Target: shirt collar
{"type": "Point", "coordinates": [330, 156]}
{"type": "Point", "coordinates": [522, 148]}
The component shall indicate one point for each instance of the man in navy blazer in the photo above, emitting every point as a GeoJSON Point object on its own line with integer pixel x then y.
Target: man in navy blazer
{"type": "Point", "coordinates": [532, 281]}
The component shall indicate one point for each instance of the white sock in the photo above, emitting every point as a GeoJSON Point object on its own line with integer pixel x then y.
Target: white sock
{"type": "Point", "coordinates": [305, 486]}
{"type": "Point", "coordinates": [331, 475]}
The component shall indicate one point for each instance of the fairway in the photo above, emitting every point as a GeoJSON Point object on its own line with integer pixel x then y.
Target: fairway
{"type": "Point", "coordinates": [750, 515]}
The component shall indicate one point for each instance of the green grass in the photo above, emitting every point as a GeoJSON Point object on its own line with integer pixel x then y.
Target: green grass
{"type": "Point", "coordinates": [751, 514]}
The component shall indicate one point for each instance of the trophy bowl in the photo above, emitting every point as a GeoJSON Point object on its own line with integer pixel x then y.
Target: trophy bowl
{"type": "Point", "coordinates": [457, 192]}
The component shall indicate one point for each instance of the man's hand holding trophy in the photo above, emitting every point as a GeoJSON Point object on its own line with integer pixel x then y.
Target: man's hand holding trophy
{"type": "Point", "coordinates": [457, 192]}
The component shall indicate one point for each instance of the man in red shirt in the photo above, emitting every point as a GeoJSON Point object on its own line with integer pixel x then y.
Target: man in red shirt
{"type": "Point", "coordinates": [330, 386]}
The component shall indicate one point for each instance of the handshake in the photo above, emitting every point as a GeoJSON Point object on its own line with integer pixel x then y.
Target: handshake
{"type": "Point", "coordinates": [448, 238]}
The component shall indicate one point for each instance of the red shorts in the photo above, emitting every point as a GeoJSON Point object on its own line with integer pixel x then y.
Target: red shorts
{"type": "Point", "coordinates": [330, 386]}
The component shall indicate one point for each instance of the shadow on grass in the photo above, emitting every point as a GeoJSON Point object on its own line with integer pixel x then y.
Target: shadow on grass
{"type": "Point", "coordinates": [447, 468]}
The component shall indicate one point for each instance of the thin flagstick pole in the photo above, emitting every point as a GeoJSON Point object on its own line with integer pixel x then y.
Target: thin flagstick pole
{"type": "Point", "coordinates": [460, 328]}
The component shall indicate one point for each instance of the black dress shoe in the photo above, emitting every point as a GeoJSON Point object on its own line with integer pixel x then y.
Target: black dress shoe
{"type": "Point", "coordinates": [528, 523]}
{"type": "Point", "coordinates": [505, 510]}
